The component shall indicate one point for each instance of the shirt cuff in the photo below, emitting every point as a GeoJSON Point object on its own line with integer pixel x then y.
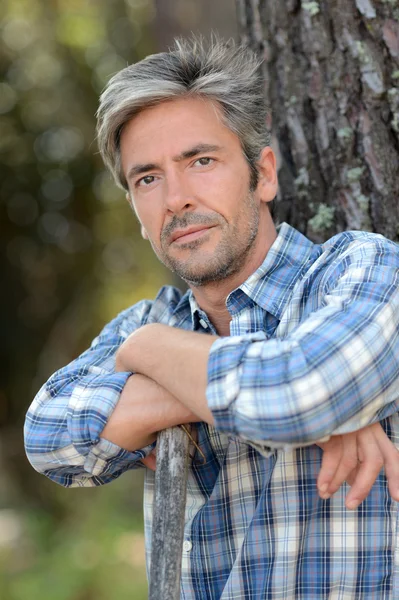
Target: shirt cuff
{"type": "Point", "coordinates": [90, 405]}
{"type": "Point", "coordinates": [266, 447]}
{"type": "Point", "coordinates": [106, 458]}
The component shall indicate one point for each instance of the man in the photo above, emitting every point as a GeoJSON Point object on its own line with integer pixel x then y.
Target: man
{"type": "Point", "coordinates": [302, 345]}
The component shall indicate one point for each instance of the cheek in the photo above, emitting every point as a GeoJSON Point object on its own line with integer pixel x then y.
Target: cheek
{"type": "Point", "coordinates": [228, 202]}
{"type": "Point", "coordinates": [224, 193]}
{"type": "Point", "coordinates": [149, 219]}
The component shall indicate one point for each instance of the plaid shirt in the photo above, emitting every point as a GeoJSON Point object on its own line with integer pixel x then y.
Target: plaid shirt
{"type": "Point", "coordinates": [314, 350]}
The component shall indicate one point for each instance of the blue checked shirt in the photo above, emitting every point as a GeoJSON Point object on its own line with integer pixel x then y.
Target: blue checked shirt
{"type": "Point", "coordinates": [313, 351]}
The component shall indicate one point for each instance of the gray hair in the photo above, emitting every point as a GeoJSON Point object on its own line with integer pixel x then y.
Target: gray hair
{"type": "Point", "coordinates": [224, 72]}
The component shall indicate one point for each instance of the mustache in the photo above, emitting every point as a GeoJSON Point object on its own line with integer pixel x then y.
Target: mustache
{"type": "Point", "coordinates": [187, 220]}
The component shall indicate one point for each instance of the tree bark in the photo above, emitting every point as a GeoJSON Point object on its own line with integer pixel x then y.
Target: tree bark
{"type": "Point", "coordinates": [332, 83]}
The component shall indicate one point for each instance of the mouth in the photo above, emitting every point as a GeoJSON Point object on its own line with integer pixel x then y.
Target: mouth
{"type": "Point", "coordinates": [184, 236]}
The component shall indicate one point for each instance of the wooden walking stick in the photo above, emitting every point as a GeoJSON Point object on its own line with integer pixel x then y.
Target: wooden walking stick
{"type": "Point", "coordinates": [168, 513]}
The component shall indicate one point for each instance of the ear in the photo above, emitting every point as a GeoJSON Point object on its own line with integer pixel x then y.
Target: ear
{"type": "Point", "coordinates": [267, 175]}
{"type": "Point", "coordinates": [144, 234]}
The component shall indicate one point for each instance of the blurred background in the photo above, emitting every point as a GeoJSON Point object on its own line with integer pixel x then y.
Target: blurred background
{"type": "Point", "coordinates": [71, 259]}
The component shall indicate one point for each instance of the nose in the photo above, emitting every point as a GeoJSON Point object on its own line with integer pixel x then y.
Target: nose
{"type": "Point", "coordinates": [178, 196]}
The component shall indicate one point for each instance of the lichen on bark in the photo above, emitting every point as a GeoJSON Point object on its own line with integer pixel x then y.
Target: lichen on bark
{"type": "Point", "coordinates": [338, 141]}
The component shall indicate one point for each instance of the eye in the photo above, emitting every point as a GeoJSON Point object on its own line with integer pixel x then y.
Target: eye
{"type": "Point", "coordinates": [145, 181]}
{"type": "Point", "coordinates": [204, 161]}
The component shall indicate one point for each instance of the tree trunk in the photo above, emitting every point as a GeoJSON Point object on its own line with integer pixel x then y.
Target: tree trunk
{"type": "Point", "coordinates": [332, 83]}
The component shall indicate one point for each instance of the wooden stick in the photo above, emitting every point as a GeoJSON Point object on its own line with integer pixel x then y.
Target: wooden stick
{"type": "Point", "coordinates": [168, 514]}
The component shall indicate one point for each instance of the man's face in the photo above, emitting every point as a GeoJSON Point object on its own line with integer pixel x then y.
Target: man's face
{"type": "Point", "coordinates": [189, 184]}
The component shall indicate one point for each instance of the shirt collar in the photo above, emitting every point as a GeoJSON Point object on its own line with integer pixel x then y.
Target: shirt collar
{"type": "Point", "coordinates": [188, 307]}
{"type": "Point", "coordinates": [271, 285]}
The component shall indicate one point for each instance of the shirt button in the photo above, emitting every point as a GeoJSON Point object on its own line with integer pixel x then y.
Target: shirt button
{"type": "Point", "coordinates": [203, 323]}
{"type": "Point", "coordinates": [187, 546]}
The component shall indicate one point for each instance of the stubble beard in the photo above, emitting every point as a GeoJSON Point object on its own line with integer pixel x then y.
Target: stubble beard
{"type": "Point", "coordinates": [228, 258]}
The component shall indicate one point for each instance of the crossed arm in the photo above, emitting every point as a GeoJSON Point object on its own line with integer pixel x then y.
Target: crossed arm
{"type": "Point", "coordinates": [171, 368]}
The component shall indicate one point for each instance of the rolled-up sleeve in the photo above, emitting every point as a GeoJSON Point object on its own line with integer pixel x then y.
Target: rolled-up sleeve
{"type": "Point", "coordinates": [64, 422]}
{"type": "Point", "coordinates": [336, 371]}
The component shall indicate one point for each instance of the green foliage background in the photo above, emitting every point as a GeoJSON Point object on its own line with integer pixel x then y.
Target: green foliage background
{"type": "Point", "coordinates": [71, 259]}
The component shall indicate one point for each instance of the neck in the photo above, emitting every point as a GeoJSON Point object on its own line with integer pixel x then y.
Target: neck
{"type": "Point", "coordinates": [212, 297]}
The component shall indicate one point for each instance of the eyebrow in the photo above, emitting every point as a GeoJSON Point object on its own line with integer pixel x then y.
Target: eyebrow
{"type": "Point", "coordinates": [190, 153]}
{"type": "Point", "coordinates": [199, 149]}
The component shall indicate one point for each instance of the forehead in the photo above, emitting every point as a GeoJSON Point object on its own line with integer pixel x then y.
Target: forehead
{"type": "Point", "coordinates": [173, 126]}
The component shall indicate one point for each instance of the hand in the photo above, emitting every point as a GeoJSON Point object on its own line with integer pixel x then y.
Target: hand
{"type": "Point", "coordinates": [358, 458]}
{"type": "Point", "coordinates": [150, 461]}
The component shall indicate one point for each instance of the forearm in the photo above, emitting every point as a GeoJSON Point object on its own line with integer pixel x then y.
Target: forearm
{"type": "Point", "coordinates": [143, 409]}
{"type": "Point", "coordinates": [288, 392]}
{"type": "Point", "coordinates": [65, 422]}
{"type": "Point", "coordinates": [175, 359]}
{"type": "Point", "coordinates": [318, 382]}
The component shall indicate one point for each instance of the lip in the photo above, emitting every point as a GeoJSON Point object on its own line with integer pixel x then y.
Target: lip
{"type": "Point", "coordinates": [191, 233]}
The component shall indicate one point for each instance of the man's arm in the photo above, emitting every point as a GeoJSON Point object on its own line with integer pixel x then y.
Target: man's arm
{"type": "Point", "coordinates": [356, 457]}
{"type": "Point", "coordinates": [143, 409]}
{"type": "Point", "coordinates": [65, 421]}
{"type": "Point", "coordinates": [176, 359]}
{"type": "Point", "coordinates": [337, 371]}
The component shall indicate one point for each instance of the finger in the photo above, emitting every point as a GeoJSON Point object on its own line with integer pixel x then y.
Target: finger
{"type": "Point", "coordinates": [369, 468]}
{"type": "Point", "coordinates": [332, 452]}
{"type": "Point", "coordinates": [391, 460]}
{"type": "Point", "coordinates": [150, 461]}
{"type": "Point", "coordinates": [348, 462]}
{"type": "Point", "coordinates": [350, 479]}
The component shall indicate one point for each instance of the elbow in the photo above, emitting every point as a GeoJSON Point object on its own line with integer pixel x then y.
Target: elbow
{"type": "Point", "coordinates": [58, 462]}
{"type": "Point", "coordinates": [62, 473]}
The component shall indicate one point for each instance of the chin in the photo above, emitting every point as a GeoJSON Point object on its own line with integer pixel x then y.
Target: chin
{"type": "Point", "coordinates": [205, 274]}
